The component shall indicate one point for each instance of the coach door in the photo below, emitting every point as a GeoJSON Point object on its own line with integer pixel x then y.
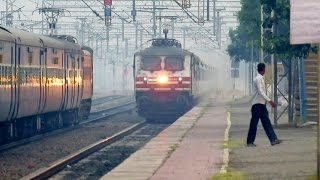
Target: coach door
{"type": "Point", "coordinates": [72, 76]}
{"type": "Point", "coordinates": [80, 79]}
{"type": "Point", "coordinates": [69, 82]}
{"type": "Point", "coordinates": [11, 75]}
{"type": "Point", "coordinates": [63, 76]}
{"type": "Point", "coordinates": [16, 78]}
{"type": "Point", "coordinates": [194, 78]}
{"type": "Point", "coordinates": [43, 77]}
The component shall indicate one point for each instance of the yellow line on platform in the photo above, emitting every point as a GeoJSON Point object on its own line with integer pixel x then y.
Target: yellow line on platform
{"type": "Point", "coordinates": [226, 149]}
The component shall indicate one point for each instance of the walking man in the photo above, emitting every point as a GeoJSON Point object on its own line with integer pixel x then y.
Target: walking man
{"type": "Point", "coordinates": [259, 110]}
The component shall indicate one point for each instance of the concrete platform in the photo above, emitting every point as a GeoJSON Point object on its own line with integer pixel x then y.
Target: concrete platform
{"type": "Point", "coordinates": [191, 148]}
{"type": "Point", "coordinates": [294, 158]}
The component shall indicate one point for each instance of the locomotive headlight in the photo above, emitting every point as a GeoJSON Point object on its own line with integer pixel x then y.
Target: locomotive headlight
{"type": "Point", "coordinates": [145, 79]}
{"type": "Point", "coordinates": [163, 79]}
{"type": "Point", "coordinates": [180, 79]}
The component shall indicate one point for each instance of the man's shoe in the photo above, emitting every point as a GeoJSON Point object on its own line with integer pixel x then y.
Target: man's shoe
{"type": "Point", "coordinates": [251, 145]}
{"type": "Point", "coordinates": [276, 142]}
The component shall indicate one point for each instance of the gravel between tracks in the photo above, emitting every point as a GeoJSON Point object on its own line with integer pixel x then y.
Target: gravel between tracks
{"type": "Point", "coordinates": [112, 103]}
{"type": "Point", "coordinates": [23, 160]}
{"type": "Point", "coordinates": [99, 163]}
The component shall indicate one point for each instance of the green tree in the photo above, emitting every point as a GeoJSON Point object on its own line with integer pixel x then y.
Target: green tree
{"type": "Point", "coordinates": [277, 43]}
{"type": "Point", "coordinates": [247, 34]}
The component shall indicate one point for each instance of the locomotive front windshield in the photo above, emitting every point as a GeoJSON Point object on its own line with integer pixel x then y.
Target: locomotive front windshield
{"type": "Point", "coordinates": [174, 64]}
{"type": "Point", "coordinates": [151, 64]}
{"type": "Point", "coordinates": [170, 63]}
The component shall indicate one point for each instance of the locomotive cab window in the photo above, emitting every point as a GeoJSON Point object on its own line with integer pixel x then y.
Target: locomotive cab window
{"type": "Point", "coordinates": [174, 64]}
{"type": "Point", "coordinates": [151, 64]}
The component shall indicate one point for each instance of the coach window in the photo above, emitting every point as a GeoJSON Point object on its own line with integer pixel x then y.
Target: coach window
{"type": "Point", "coordinates": [29, 53]}
{"type": "Point", "coordinates": [73, 59]}
{"type": "Point", "coordinates": [54, 51]}
{"type": "Point", "coordinates": [1, 58]}
{"type": "Point", "coordinates": [55, 60]}
{"type": "Point", "coordinates": [1, 52]}
{"type": "Point", "coordinates": [73, 63]}
{"type": "Point", "coordinates": [78, 63]}
{"type": "Point", "coordinates": [198, 71]}
{"type": "Point", "coordinates": [82, 63]}
{"type": "Point", "coordinates": [2, 73]}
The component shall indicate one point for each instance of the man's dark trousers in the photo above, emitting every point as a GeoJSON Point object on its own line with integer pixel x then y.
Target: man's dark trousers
{"type": "Point", "coordinates": [259, 111]}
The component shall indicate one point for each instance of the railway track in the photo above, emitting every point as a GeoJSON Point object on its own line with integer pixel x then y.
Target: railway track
{"type": "Point", "coordinates": [63, 163]}
{"type": "Point", "coordinates": [95, 116]}
{"type": "Point", "coordinates": [99, 163]}
{"type": "Point", "coordinates": [107, 98]}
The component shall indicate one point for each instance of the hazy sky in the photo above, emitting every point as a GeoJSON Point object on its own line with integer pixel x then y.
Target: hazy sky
{"type": "Point", "coordinates": [199, 41]}
{"type": "Point", "coordinates": [215, 57]}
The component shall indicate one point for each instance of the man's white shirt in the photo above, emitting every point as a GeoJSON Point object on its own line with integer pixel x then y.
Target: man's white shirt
{"type": "Point", "coordinates": [259, 91]}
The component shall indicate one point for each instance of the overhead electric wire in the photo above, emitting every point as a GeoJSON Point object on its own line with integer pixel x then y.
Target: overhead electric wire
{"type": "Point", "coordinates": [141, 26]}
{"type": "Point", "coordinates": [95, 12]}
{"type": "Point", "coordinates": [115, 13]}
{"type": "Point", "coordinates": [129, 22]}
{"type": "Point", "coordinates": [187, 12]}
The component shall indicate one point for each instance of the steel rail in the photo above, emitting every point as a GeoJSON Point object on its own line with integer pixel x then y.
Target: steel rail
{"type": "Point", "coordinates": [129, 106]}
{"type": "Point", "coordinates": [132, 102]}
{"type": "Point", "coordinates": [107, 99]}
{"type": "Point", "coordinates": [59, 165]}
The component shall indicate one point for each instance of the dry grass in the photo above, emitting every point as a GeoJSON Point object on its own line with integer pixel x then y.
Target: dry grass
{"type": "Point", "coordinates": [234, 143]}
{"type": "Point", "coordinates": [312, 177]}
{"type": "Point", "coordinates": [229, 175]}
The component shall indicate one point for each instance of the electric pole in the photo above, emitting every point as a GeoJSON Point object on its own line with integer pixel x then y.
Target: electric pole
{"type": "Point", "coordinates": [172, 27]}
{"type": "Point", "coordinates": [52, 15]}
{"type": "Point", "coordinates": [82, 29]}
{"type": "Point", "coordinates": [136, 39]}
{"type": "Point", "coordinates": [141, 39]}
{"type": "Point", "coordinates": [184, 37]}
{"type": "Point", "coordinates": [154, 18]}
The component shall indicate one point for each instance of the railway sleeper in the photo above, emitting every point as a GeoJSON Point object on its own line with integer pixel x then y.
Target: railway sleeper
{"type": "Point", "coordinates": [164, 109]}
{"type": "Point", "coordinates": [160, 114]}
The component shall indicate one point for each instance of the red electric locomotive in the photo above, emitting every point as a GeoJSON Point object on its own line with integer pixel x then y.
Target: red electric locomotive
{"type": "Point", "coordinates": [168, 80]}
